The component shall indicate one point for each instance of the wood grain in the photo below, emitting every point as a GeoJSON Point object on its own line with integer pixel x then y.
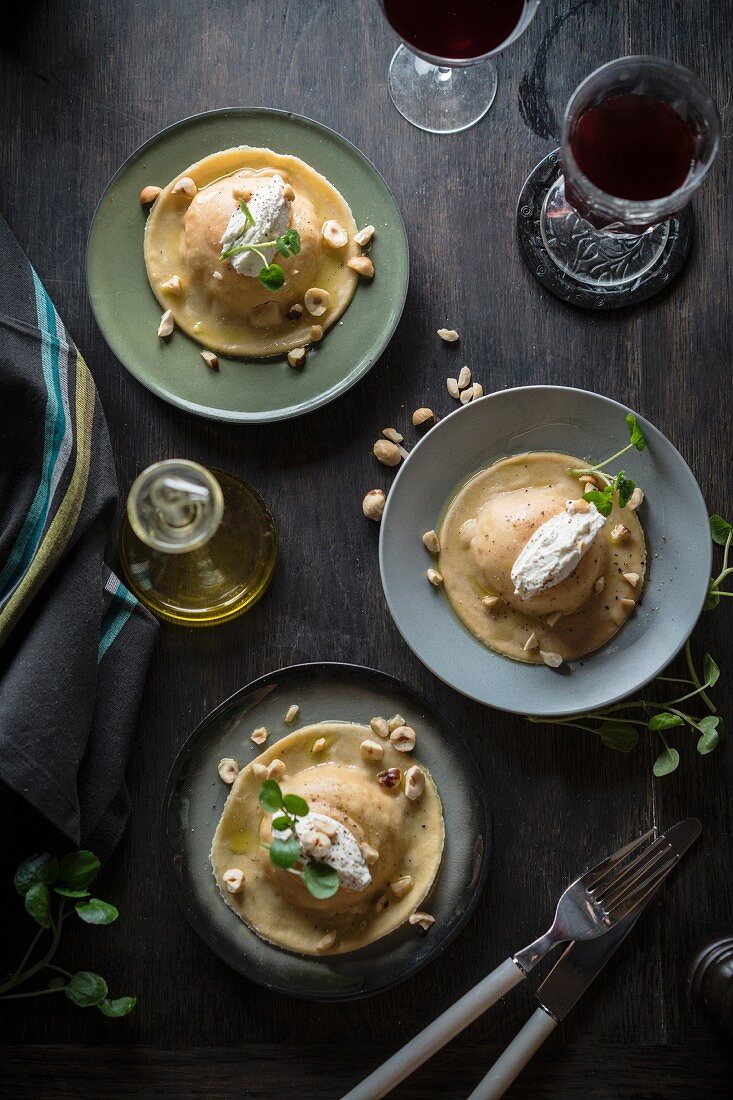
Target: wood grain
{"type": "Point", "coordinates": [82, 85]}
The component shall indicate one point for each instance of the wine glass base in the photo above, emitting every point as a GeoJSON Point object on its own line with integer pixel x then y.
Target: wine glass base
{"type": "Point", "coordinates": [587, 268]}
{"type": "Point", "coordinates": [440, 100]}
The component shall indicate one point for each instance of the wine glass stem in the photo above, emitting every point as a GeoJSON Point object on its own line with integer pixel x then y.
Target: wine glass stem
{"type": "Point", "coordinates": [443, 74]}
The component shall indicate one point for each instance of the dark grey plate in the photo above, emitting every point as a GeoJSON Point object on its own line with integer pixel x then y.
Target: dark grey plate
{"type": "Point", "coordinates": [194, 799]}
{"type": "Point", "coordinates": [554, 418]}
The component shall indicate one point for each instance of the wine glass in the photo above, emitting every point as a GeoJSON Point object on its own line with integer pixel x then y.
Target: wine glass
{"type": "Point", "coordinates": [639, 136]}
{"type": "Point", "coordinates": [441, 79]}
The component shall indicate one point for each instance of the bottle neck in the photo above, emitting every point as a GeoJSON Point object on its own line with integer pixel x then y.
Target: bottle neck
{"type": "Point", "coordinates": [175, 506]}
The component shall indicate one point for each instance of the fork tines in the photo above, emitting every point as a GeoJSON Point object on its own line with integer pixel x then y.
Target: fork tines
{"type": "Point", "coordinates": [619, 888]}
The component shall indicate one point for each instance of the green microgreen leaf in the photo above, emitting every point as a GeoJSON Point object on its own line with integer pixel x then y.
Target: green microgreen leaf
{"type": "Point", "coordinates": [281, 822]}
{"type": "Point", "coordinates": [78, 869]}
{"type": "Point", "coordinates": [665, 721]}
{"type": "Point", "coordinates": [619, 736]}
{"type": "Point", "coordinates": [321, 880]}
{"type": "Point", "coordinates": [288, 244]}
{"type": "Point", "coordinates": [720, 529]}
{"type": "Point", "coordinates": [294, 804]}
{"type": "Point", "coordinates": [710, 734]}
{"type": "Point", "coordinates": [285, 853]}
{"type": "Point", "coordinates": [246, 211]}
{"type": "Point", "coordinates": [271, 797]}
{"type": "Point", "coordinates": [121, 1006]}
{"type": "Point", "coordinates": [710, 671]}
{"type": "Point", "coordinates": [636, 435]}
{"type": "Point", "coordinates": [41, 868]}
{"type": "Point", "coordinates": [96, 911]}
{"type": "Point", "coordinates": [38, 904]}
{"type": "Point", "coordinates": [624, 487]}
{"type": "Point", "coordinates": [667, 762]}
{"type": "Point", "coordinates": [86, 989]}
{"type": "Point", "coordinates": [272, 276]}
{"type": "Point", "coordinates": [65, 892]}
{"type": "Point", "coordinates": [602, 498]}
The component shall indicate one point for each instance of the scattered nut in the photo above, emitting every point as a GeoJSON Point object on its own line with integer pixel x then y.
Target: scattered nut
{"type": "Point", "coordinates": [631, 578]}
{"type": "Point", "coordinates": [423, 919]}
{"type": "Point", "coordinates": [316, 301]}
{"type": "Point", "coordinates": [371, 855]}
{"type": "Point", "coordinates": [588, 479]}
{"type": "Point", "coordinates": [334, 234]}
{"type": "Point", "coordinates": [579, 506]}
{"type": "Point", "coordinates": [449, 335]}
{"type": "Point", "coordinates": [316, 842]}
{"type": "Point", "coordinates": [211, 360]}
{"type": "Point", "coordinates": [402, 886]}
{"type": "Point", "coordinates": [435, 578]}
{"type": "Point", "coordinates": [466, 395]}
{"type": "Point", "coordinates": [149, 194]}
{"type": "Point", "coordinates": [414, 783]}
{"type": "Point", "coordinates": [390, 779]}
{"type": "Point", "coordinates": [184, 186]}
{"type": "Point", "coordinates": [636, 498]}
{"type": "Point", "coordinates": [431, 542]}
{"type": "Point", "coordinates": [600, 584]}
{"type": "Point", "coordinates": [422, 416]}
{"type": "Point", "coordinates": [552, 660]}
{"type": "Point", "coordinates": [553, 618]}
{"type": "Point", "coordinates": [216, 275]}
{"type": "Point", "coordinates": [165, 328]}
{"type": "Point", "coordinates": [319, 745]}
{"type": "Point", "coordinates": [291, 715]}
{"type": "Point", "coordinates": [626, 602]}
{"type": "Point", "coordinates": [395, 722]}
{"type": "Point", "coordinates": [297, 358]}
{"type": "Point", "coordinates": [330, 828]}
{"type": "Point", "coordinates": [326, 941]}
{"type": "Point", "coordinates": [381, 904]}
{"type": "Point", "coordinates": [392, 434]}
{"type": "Point", "coordinates": [388, 453]}
{"type": "Point", "coordinates": [259, 736]}
{"type": "Point", "coordinates": [295, 312]}
{"type": "Point", "coordinates": [174, 285]}
{"type": "Point", "coordinates": [234, 880]}
{"type": "Point", "coordinates": [371, 750]}
{"type": "Point", "coordinates": [491, 601]}
{"type": "Point", "coordinates": [464, 378]}
{"type": "Point", "coordinates": [620, 533]}
{"type": "Point", "coordinates": [373, 504]}
{"type": "Point", "coordinates": [362, 265]}
{"type": "Point", "coordinates": [380, 727]}
{"type": "Point", "coordinates": [478, 391]}
{"type": "Point", "coordinates": [452, 385]}
{"type": "Point", "coordinates": [316, 333]}
{"type": "Point", "coordinates": [364, 236]}
{"type": "Point", "coordinates": [259, 770]}
{"type": "Point", "coordinates": [276, 769]}
{"type": "Point", "coordinates": [288, 193]}
{"type": "Point", "coordinates": [403, 738]}
{"type": "Point", "coordinates": [228, 769]}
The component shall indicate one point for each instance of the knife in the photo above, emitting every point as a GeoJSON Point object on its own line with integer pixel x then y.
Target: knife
{"type": "Point", "coordinates": [568, 980]}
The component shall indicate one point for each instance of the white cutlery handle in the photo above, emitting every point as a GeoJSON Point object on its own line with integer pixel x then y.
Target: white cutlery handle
{"type": "Point", "coordinates": [515, 1057]}
{"type": "Point", "coordinates": [440, 1032]}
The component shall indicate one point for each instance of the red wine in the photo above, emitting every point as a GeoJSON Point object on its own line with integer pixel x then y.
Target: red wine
{"type": "Point", "coordinates": [458, 29]}
{"type": "Point", "coordinates": [634, 147]}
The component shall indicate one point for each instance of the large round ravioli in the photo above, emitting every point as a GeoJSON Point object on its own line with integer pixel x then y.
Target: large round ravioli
{"type": "Point", "coordinates": [235, 314]}
{"type": "Point", "coordinates": [339, 783]}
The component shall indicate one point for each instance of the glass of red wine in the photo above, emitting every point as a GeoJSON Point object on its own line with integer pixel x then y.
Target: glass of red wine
{"type": "Point", "coordinates": [639, 137]}
{"type": "Point", "coordinates": [441, 79]}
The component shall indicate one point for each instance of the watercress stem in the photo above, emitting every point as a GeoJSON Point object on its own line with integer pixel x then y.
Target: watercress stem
{"type": "Point", "coordinates": [18, 979]}
{"type": "Point", "coordinates": [29, 952]}
{"type": "Point", "coordinates": [695, 679]}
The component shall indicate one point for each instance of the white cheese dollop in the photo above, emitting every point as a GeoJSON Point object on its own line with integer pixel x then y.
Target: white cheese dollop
{"type": "Point", "coordinates": [271, 212]}
{"type": "Point", "coordinates": [345, 854]}
{"type": "Point", "coordinates": [555, 549]}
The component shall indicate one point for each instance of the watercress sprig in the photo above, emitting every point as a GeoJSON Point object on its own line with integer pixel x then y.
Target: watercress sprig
{"type": "Point", "coordinates": [319, 879]}
{"type": "Point", "coordinates": [48, 887]}
{"type": "Point", "coordinates": [620, 484]}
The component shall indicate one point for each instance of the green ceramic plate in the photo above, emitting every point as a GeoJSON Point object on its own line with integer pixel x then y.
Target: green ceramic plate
{"type": "Point", "coordinates": [243, 390]}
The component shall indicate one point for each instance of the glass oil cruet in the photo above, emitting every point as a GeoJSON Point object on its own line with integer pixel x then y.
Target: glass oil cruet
{"type": "Point", "coordinates": [197, 546]}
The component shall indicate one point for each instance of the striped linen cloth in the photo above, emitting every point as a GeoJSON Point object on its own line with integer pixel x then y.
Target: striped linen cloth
{"type": "Point", "coordinates": [74, 642]}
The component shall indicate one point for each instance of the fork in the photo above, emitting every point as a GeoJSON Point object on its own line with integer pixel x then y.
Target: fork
{"type": "Point", "coordinates": [590, 906]}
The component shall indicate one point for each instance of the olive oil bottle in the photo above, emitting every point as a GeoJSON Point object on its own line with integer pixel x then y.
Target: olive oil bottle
{"type": "Point", "coordinates": [198, 546]}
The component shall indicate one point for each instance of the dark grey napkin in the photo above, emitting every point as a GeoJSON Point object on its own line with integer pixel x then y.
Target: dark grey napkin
{"type": "Point", "coordinates": [74, 642]}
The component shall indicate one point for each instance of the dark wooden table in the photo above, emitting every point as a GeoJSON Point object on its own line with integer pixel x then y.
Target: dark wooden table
{"type": "Point", "coordinates": [82, 84]}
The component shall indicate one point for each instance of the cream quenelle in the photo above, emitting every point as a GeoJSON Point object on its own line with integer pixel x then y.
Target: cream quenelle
{"type": "Point", "coordinates": [271, 212]}
{"type": "Point", "coordinates": [556, 548]}
{"type": "Point", "coordinates": [329, 841]}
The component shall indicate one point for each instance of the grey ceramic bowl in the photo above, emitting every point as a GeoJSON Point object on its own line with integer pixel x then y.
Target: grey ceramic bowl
{"type": "Point", "coordinates": [195, 796]}
{"type": "Point", "coordinates": [534, 418]}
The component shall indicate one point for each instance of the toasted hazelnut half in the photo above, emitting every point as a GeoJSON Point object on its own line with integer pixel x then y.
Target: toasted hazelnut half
{"type": "Point", "coordinates": [449, 335]}
{"type": "Point", "coordinates": [434, 577]}
{"type": "Point", "coordinates": [636, 498]}
{"type": "Point", "coordinates": [627, 603]}
{"type": "Point", "coordinates": [326, 941]}
{"type": "Point", "coordinates": [452, 384]}
{"type": "Point", "coordinates": [380, 727]}
{"type": "Point", "coordinates": [387, 452]}
{"type": "Point", "coordinates": [233, 880]}
{"type": "Point", "coordinates": [228, 769]}
{"type": "Point", "coordinates": [184, 186]}
{"type": "Point", "coordinates": [589, 480]}
{"type": "Point", "coordinates": [259, 770]}
{"type": "Point", "coordinates": [403, 739]}
{"type": "Point", "coordinates": [149, 194]}
{"type": "Point", "coordinates": [371, 751]}
{"type": "Point", "coordinates": [276, 769]}
{"type": "Point", "coordinates": [552, 660]}
{"type": "Point", "coordinates": [364, 236]}
{"type": "Point", "coordinates": [466, 395]}
{"type": "Point", "coordinates": [478, 391]}
{"type": "Point", "coordinates": [422, 416]}
{"type": "Point", "coordinates": [391, 778]}
{"type": "Point", "coordinates": [319, 745]}
{"type": "Point", "coordinates": [431, 542]}
{"type": "Point", "coordinates": [631, 578]}
{"type": "Point", "coordinates": [295, 312]}
{"type": "Point", "coordinates": [316, 333]}
{"type": "Point", "coordinates": [464, 378]}
{"type": "Point", "coordinates": [334, 234]}
{"type": "Point", "coordinates": [297, 358]}
{"type": "Point", "coordinates": [217, 275]}
{"type": "Point", "coordinates": [424, 920]}
{"type": "Point", "coordinates": [259, 736]}
{"type": "Point", "coordinates": [393, 435]}
{"type": "Point", "coordinates": [165, 328]}
{"type": "Point", "coordinates": [316, 301]}
{"type": "Point", "coordinates": [491, 602]}
{"type": "Point", "coordinates": [373, 504]}
{"type": "Point", "coordinates": [371, 855]}
{"type": "Point", "coordinates": [174, 285]}
{"type": "Point", "coordinates": [414, 783]}
{"type": "Point", "coordinates": [362, 265]}
{"type": "Point", "coordinates": [211, 359]}
{"type": "Point", "coordinates": [402, 886]}
{"type": "Point", "coordinates": [292, 713]}
{"type": "Point", "coordinates": [620, 533]}
{"type": "Point", "coordinates": [395, 722]}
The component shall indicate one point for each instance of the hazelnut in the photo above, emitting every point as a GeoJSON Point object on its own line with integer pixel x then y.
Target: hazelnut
{"type": "Point", "coordinates": [636, 498]}
{"type": "Point", "coordinates": [431, 542]}
{"type": "Point", "coordinates": [627, 603]}
{"type": "Point", "coordinates": [449, 335]}
{"type": "Point", "coordinates": [291, 714]}
{"type": "Point", "coordinates": [149, 194]}
{"type": "Point", "coordinates": [165, 328]}
{"type": "Point", "coordinates": [402, 886]}
{"type": "Point", "coordinates": [391, 778]}
{"type": "Point", "coordinates": [373, 504]}
{"type": "Point", "coordinates": [233, 880]}
{"type": "Point", "coordinates": [362, 265]}
{"type": "Point", "coordinates": [464, 378]}
{"type": "Point", "coordinates": [414, 783]}
{"type": "Point", "coordinates": [403, 738]}
{"type": "Point", "coordinates": [211, 360]}
{"type": "Point", "coordinates": [424, 920]}
{"type": "Point", "coordinates": [553, 619]}
{"type": "Point", "coordinates": [388, 453]}
{"type": "Point", "coordinates": [452, 384]}
{"type": "Point", "coordinates": [228, 769]}
{"type": "Point", "coordinates": [393, 435]}
{"type": "Point", "coordinates": [395, 722]}
{"type": "Point", "coordinates": [276, 769]}
{"type": "Point", "coordinates": [490, 602]}
{"type": "Point", "coordinates": [631, 578]}
{"type": "Point", "coordinates": [589, 480]}
{"type": "Point", "coordinates": [316, 842]}
{"type": "Point", "coordinates": [316, 301]}
{"type": "Point", "coordinates": [620, 533]}
{"type": "Point", "coordinates": [434, 577]}
{"type": "Point", "coordinates": [297, 358]}
{"type": "Point", "coordinates": [364, 236]}
{"type": "Point", "coordinates": [371, 751]}
{"type": "Point", "coordinates": [371, 855]}
{"type": "Point", "coordinates": [422, 416]}
{"type": "Point", "coordinates": [579, 506]}
{"type": "Point", "coordinates": [259, 736]}
{"type": "Point", "coordinates": [295, 312]}
{"type": "Point", "coordinates": [552, 660]}
{"type": "Point", "coordinates": [174, 285]}
{"type": "Point", "coordinates": [259, 770]}
{"type": "Point", "coordinates": [334, 234]}
{"type": "Point", "coordinates": [319, 745]}
{"type": "Point", "coordinates": [326, 941]}
{"type": "Point", "coordinates": [184, 186]}
{"type": "Point", "coordinates": [316, 333]}
{"type": "Point", "coordinates": [380, 727]}
{"type": "Point", "coordinates": [288, 193]}
{"type": "Point", "coordinates": [466, 395]}
{"type": "Point", "coordinates": [217, 275]}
